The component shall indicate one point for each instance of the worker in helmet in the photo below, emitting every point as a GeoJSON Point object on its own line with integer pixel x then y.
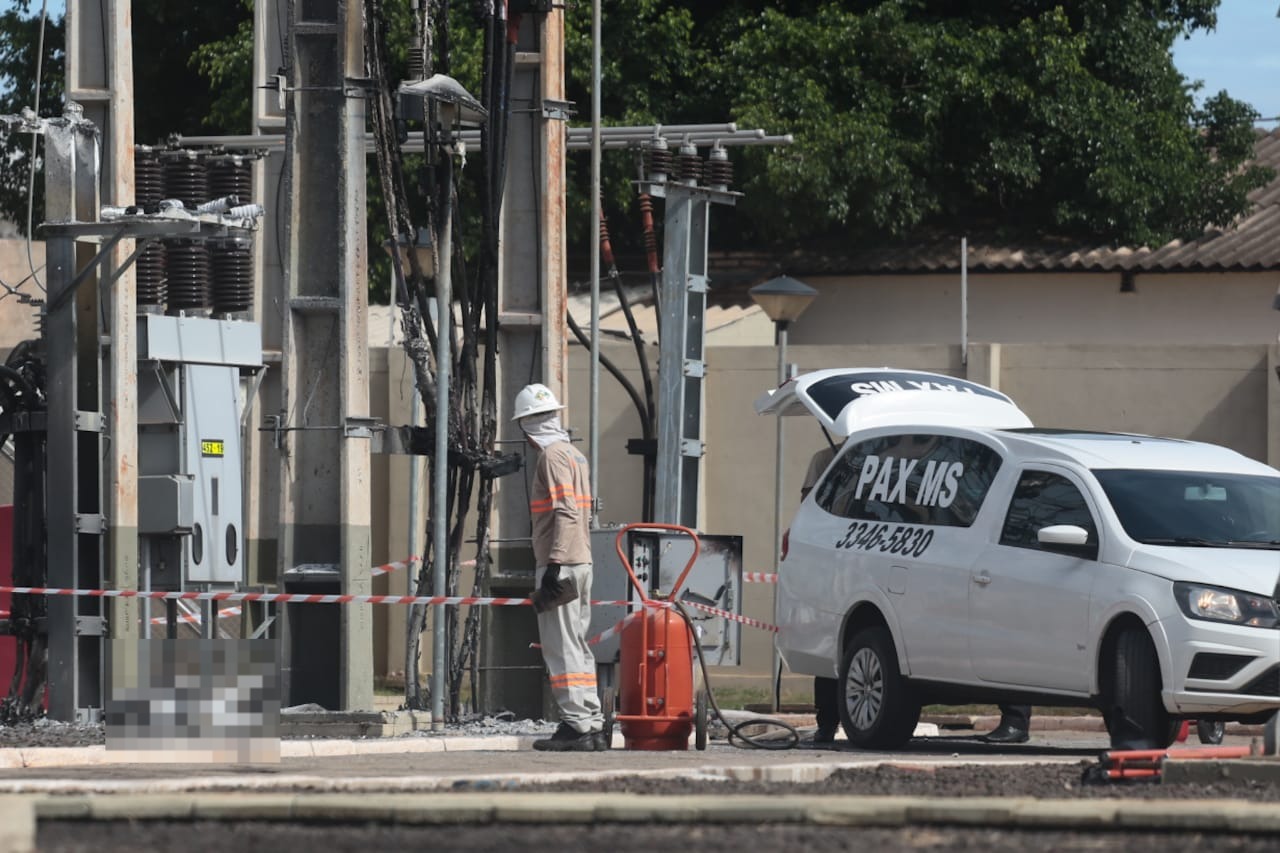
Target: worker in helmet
{"type": "Point", "coordinates": [560, 509]}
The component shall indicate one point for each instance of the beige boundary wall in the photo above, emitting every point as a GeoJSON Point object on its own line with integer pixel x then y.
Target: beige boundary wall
{"type": "Point", "coordinates": [1219, 393]}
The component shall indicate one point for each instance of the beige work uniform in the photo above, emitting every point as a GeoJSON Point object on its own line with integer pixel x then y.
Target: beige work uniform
{"type": "Point", "coordinates": [560, 508]}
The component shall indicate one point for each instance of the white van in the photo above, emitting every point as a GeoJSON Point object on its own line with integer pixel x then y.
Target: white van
{"type": "Point", "coordinates": [953, 553]}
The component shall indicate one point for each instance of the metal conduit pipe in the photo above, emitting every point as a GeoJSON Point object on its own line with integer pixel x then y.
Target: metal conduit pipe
{"type": "Point", "coordinates": [577, 137]}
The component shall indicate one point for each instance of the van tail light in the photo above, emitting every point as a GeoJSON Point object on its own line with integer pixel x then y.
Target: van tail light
{"type": "Point", "coordinates": [786, 544]}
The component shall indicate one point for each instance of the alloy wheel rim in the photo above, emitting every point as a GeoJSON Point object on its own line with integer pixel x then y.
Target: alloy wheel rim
{"type": "Point", "coordinates": [864, 689]}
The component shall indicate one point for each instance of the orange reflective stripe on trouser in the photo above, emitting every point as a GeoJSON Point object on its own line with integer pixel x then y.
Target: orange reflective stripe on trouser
{"type": "Point", "coordinates": [570, 665]}
{"type": "Point", "coordinates": [574, 679]}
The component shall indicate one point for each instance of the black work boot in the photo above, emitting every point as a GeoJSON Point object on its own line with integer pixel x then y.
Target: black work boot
{"type": "Point", "coordinates": [567, 739]}
{"type": "Point", "coordinates": [602, 740]}
{"type": "Point", "coordinates": [1007, 733]}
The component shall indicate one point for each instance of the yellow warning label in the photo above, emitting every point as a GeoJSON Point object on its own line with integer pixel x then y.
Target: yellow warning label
{"type": "Point", "coordinates": [210, 447]}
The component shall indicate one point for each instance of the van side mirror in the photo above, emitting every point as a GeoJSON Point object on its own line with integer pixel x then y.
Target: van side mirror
{"type": "Point", "coordinates": [1066, 539]}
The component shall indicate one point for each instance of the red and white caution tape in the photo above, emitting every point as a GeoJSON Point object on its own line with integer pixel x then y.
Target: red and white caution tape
{"type": "Point", "coordinates": [610, 632]}
{"type": "Point", "coordinates": [195, 618]}
{"type": "Point", "coordinates": [746, 620]}
{"type": "Point", "coordinates": [276, 597]}
{"type": "Point", "coordinates": [223, 613]}
{"type": "Point", "coordinates": [733, 617]}
{"type": "Point", "coordinates": [299, 598]}
{"type": "Point", "coordinates": [759, 577]}
{"type": "Point", "coordinates": [385, 568]}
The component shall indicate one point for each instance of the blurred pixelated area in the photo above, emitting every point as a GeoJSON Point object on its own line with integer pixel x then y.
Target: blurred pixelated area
{"type": "Point", "coordinates": [194, 699]}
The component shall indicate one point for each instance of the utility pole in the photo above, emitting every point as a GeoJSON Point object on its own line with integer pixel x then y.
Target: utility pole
{"type": "Point", "coordinates": [325, 427]}
{"type": "Point", "coordinates": [532, 336]}
{"type": "Point", "coordinates": [100, 79]}
{"type": "Point", "coordinates": [262, 461]}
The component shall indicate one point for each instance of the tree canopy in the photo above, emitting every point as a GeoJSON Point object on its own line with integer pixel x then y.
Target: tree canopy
{"type": "Point", "coordinates": [1025, 118]}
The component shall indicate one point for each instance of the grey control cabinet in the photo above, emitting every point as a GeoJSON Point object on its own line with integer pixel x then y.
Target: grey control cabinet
{"type": "Point", "coordinates": [190, 481]}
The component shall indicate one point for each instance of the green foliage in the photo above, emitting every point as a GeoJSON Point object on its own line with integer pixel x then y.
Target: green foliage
{"type": "Point", "coordinates": [227, 64]}
{"type": "Point", "coordinates": [1025, 118]}
{"type": "Point", "coordinates": [172, 43]}
{"type": "Point", "coordinates": [18, 49]}
{"type": "Point", "coordinates": [1029, 119]}
{"type": "Point", "coordinates": [1021, 118]}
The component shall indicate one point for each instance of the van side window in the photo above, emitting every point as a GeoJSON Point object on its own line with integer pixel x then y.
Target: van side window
{"type": "Point", "coordinates": [1041, 499]}
{"type": "Point", "coordinates": [911, 478]}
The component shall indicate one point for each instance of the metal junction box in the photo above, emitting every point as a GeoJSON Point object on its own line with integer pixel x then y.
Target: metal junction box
{"type": "Point", "coordinates": [658, 557]}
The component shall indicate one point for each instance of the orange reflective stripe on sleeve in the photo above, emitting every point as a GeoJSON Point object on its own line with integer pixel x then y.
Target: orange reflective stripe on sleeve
{"type": "Point", "coordinates": [564, 491]}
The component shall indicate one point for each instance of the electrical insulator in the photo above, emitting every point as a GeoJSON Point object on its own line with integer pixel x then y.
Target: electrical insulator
{"type": "Point", "coordinates": [219, 205]}
{"type": "Point", "coordinates": [690, 166]}
{"type": "Point", "coordinates": [231, 263]}
{"type": "Point", "coordinates": [245, 211]}
{"type": "Point", "coordinates": [657, 160]}
{"type": "Point", "coordinates": [229, 175]}
{"type": "Point", "coordinates": [718, 171]}
{"type": "Point", "coordinates": [188, 262]}
{"type": "Point", "coordinates": [151, 274]}
{"type": "Point", "coordinates": [186, 178]}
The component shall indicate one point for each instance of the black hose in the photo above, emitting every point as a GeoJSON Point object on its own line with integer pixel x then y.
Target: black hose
{"type": "Point", "coordinates": [735, 729]}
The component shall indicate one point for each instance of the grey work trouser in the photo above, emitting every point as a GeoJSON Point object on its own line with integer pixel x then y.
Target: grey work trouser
{"type": "Point", "coordinates": [572, 667]}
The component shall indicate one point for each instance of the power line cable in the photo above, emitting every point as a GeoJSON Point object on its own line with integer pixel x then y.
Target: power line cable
{"type": "Point", "coordinates": [31, 180]}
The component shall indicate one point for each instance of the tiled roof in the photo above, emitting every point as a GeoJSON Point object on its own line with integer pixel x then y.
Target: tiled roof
{"type": "Point", "coordinates": [1252, 244]}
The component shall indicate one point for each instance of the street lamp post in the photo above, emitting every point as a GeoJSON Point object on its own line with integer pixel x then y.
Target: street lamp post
{"type": "Point", "coordinates": [783, 299]}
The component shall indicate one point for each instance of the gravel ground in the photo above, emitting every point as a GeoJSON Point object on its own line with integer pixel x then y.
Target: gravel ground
{"type": "Point", "coordinates": [200, 837]}
{"type": "Point", "coordinates": [1045, 781]}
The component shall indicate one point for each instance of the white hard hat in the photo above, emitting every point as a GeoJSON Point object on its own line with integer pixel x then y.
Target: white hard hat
{"type": "Point", "coordinates": [534, 400]}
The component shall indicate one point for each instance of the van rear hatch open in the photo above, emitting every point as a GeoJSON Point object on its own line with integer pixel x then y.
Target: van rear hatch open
{"type": "Point", "coordinates": [847, 399]}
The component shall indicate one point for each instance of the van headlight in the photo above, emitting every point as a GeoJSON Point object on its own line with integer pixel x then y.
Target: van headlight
{"type": "Point", "coordinates": [1226, 605]}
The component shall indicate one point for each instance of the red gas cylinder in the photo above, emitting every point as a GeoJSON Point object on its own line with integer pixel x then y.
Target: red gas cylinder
{"type": "Point", "coordinates": [655, 669]}
{"type": "Point", "coordinates": [655, 681]}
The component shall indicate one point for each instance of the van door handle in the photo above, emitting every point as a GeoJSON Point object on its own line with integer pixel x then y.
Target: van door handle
{"type": "Point", "coordinates": [982, 579]}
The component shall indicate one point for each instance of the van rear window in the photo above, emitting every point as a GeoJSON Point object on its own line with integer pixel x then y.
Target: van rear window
{"type": "Point", "coordinates": [915, 478]}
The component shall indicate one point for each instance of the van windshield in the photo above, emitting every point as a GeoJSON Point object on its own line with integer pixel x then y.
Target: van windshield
{"type": "Point", "coordinates": [1194, 508]}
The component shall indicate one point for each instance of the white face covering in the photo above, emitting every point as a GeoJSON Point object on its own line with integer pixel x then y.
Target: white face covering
{"type": "Point", "coordinates": [544, 429]}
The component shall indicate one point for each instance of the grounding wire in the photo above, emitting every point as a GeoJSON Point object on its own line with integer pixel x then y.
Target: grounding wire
{"type": "Point", "coordinates": [737, 735]}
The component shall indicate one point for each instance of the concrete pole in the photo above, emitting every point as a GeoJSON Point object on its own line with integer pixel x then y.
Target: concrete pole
{"type": "Point", "coordinates": [262, 460]}
{"type": "Point", "coordinates": [100, 78]}
{"type": "Point", "coordinates": [72, 155]}
{"type": "Point", "coordinates": [325, 482]}
{"type": "Point", "coordinates": [123, 614]}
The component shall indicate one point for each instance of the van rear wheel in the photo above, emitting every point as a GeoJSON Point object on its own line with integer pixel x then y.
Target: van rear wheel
{"type": "Point", "coordinates": [877, 709]}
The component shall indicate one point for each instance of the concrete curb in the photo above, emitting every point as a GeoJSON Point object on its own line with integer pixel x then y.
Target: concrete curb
{"type": "Point", "coordinates": [95, 756]}
{"type": "Point", "coordinates": [483, 808]}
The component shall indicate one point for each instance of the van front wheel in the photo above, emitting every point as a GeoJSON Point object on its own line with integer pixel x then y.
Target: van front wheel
{"type": "Point", "coordinates": [1136, 717]}
{"type": "Point", "coordinates": [877, 707]}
